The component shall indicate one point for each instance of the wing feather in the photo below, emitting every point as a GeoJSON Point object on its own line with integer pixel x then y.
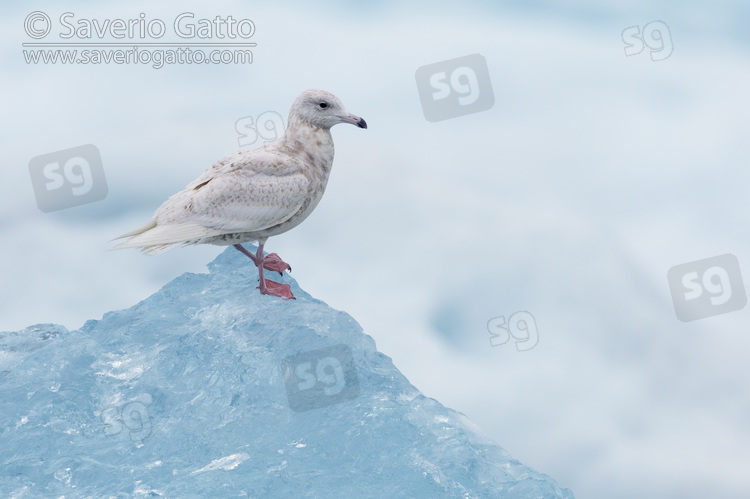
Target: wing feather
{"type": "Point", "coordinates": [246, 191]}
{"type": "Point", "coordinates": [237, 201]}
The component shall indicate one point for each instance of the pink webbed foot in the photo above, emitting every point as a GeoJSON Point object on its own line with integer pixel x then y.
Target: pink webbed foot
{"type": "Point", "coordinates": [273, 262]}
{"type": "Point", "coordinates": [276, 289]}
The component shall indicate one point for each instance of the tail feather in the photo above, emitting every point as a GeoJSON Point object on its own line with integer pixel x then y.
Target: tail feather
{"type": "Point", "coordinates": [139, 230]}
{"type": "Point", "coordinates": [159, 248]}
{"type": "Point", "coordinates": [154, 239]}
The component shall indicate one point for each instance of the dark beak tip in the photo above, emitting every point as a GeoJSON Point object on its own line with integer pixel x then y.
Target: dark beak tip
{"type": "Point", "coordinates": [362, 123]}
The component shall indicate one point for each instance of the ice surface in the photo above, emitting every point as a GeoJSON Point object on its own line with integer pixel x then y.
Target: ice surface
{"type": "Point", "coordinates": [208, 389]}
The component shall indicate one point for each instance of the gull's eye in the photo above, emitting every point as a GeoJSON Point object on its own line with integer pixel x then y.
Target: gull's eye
{"type": "Point", "coordinates": [323, 105]}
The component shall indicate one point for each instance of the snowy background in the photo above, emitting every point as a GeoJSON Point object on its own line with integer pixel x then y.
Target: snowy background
{"type": "Point", "coordinates": [592, 175]}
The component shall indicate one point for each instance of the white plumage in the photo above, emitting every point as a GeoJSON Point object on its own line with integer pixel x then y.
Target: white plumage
{"type": "Point", "coordinates": [253, 194]}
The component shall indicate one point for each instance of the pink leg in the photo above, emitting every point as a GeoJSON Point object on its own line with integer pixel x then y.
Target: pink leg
{"type": "Point", "coordinates": [267, 287]}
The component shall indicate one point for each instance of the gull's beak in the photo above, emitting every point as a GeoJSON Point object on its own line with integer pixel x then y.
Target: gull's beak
{"type": "Point", "coordinates": [354, 120]}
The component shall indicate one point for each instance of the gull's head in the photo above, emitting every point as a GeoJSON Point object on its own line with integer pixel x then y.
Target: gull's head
{"type": "Point", "coordinates": [322, 109]}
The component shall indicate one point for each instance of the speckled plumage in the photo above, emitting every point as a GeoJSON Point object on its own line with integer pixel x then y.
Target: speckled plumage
{"type": "Point", "coordinates": [251, 195]}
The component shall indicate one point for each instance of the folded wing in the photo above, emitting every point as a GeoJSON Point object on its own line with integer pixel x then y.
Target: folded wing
{"type": "Point", "coordinates": [230, 197]}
